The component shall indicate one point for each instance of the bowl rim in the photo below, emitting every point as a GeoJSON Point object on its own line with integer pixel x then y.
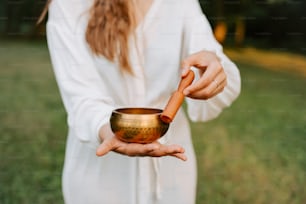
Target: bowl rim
{"type": "Point", "coordinates": [138, 111]}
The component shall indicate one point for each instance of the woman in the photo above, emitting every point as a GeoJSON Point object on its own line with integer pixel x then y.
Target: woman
{"type": "Point", "coordinates": [108, 54]}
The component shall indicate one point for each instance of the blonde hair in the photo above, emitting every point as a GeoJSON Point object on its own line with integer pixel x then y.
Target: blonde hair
{"type": "Point", "coordinates": [111, 24]}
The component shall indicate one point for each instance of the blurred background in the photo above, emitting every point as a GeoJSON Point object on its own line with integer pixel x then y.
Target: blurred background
{"type": "Point", "coordinates": [255, 152]}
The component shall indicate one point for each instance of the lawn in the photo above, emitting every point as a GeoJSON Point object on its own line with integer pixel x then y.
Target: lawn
{"type": "Point", "coordinates": [254, 153]}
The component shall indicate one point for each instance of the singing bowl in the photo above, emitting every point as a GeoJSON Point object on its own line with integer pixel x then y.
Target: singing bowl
{"type": "Point", "coordinates": [138, 125]}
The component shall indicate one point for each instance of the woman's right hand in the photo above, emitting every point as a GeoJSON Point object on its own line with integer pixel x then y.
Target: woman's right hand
{"type": "Point", "coordinates": [155, 149]}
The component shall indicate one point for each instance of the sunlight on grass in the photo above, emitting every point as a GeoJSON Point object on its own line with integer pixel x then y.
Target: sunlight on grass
{"type": "Point", "coordinates": [277, 61]}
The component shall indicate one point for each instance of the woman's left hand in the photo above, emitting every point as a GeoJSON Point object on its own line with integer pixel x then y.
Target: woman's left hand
{"type": "Point", "coordinates": [155, 149]}
{"type": "Point", "coordinates": [212, 76]}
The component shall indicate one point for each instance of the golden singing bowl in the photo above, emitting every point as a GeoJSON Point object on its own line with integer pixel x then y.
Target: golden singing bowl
{"type": "Point", "coordinates": [138, 125]}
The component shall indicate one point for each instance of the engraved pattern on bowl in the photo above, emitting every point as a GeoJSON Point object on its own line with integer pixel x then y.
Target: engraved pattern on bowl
{"type": "Point", "coordinates": [138, 125]}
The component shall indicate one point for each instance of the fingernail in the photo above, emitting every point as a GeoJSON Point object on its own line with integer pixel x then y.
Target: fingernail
{"type": "Point", "coordinates": [185, 71]}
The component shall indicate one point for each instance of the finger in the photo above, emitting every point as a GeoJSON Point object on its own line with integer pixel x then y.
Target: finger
{"type": "Point", "coordinates": [191, 60]}
{"type": "Point", "coordinates": [219, 89]}
{"type": "Point", "coordinates": [180, 156]}
{"type": "Point", "coordinates": [153, 150]}
{"type": "Point", "coordinates": [206, 79]}
{"type": "Point", "coordinates": [185, 71]}
{"type": "Point", "coordinates": [106, 146]}
{"type": "Point", "coordinates": [199, 60]}
{"type": "Point", "coordinates": [164, 150]}
{"type": "Point", "coordinates": [196, 60]}
{"type": "Point", "coordinates": [172, 149]}
{"type": "Point", "coordinates": [135, 149]}
{"type": "Point", "coordinates": [214, 87]}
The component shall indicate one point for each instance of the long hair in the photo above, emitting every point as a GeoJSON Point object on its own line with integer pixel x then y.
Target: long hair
{"type": "Point", "coordinates": [110, 26]}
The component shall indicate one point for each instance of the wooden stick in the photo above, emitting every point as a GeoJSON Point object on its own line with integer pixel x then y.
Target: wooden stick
{"type": "Point", "coordinates": [176, 99]}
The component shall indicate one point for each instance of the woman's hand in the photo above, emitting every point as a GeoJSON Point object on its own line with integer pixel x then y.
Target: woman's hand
{"type": "Point", "coordinates": [155, 149]}
{"type": "Point", "coordinates": [212, 76]}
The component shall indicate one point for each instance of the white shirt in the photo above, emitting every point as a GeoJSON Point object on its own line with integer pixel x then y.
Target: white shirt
{"type": "Point", "coordinates": [91, 87]}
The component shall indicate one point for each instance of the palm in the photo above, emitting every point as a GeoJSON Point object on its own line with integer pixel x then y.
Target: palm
{"type": "Point", "coordinates": [154, 149]}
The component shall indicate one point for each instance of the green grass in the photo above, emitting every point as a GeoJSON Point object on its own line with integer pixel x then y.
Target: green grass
{"type": "Point", "coordinates": [255, 152]}
{"type": "Point", "coordinates": [32, 126]}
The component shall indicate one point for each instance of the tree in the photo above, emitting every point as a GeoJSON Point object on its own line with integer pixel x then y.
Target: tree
{"type": "Point", "coordinates": [21, 17]}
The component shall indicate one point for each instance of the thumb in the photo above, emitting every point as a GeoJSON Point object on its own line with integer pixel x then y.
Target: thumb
{"type": "Point", "coordinates": [105, 147]}
{"type": "Point", "coordinates": [191, 60]}
{"type": "Point", "coordinates": [185, 67]}
{"type": "Point", "coordinates": [197, 60]}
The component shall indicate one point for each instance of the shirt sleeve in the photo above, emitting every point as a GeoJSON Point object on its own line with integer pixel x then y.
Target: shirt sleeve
{"type": "Point", "coordinates": [82, 89]}
{"type": "Point", "coordinates": [199, 36]}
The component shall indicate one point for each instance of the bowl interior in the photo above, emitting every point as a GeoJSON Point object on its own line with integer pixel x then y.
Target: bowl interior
{"type": "Point", "coordinates": [138, 111]}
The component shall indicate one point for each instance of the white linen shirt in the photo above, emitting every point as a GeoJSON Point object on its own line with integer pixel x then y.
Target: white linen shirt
{"type": "Point", "coordinates": [91, 87]}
